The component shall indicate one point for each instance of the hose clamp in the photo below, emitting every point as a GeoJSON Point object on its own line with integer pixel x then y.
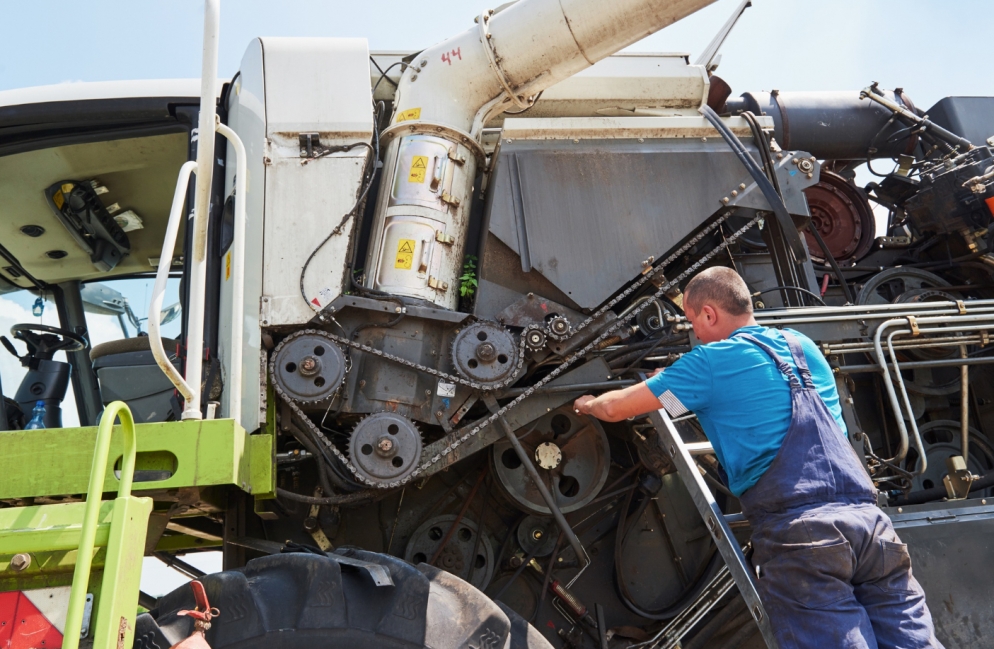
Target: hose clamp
{"type": "Point", "coordinates": [483, 23]}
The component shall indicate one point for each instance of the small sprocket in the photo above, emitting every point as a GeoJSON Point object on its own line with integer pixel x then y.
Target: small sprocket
{"type": "Point", "coordinates": [308, 367]}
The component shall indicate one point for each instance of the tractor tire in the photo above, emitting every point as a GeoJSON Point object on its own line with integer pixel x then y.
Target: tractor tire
{"type": "Point", "coordinates": [308, 601]}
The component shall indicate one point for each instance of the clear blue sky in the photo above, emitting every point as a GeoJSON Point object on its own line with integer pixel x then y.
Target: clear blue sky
{"type": "Point", "coordinates": [931, 48]}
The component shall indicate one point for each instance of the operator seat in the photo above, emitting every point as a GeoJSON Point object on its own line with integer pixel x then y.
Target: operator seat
{"type": "Point", "coordinates": [127, 371]}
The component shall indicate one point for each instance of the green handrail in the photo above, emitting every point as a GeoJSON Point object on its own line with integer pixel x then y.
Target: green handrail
{"type": "Point", "coordinates": [94, 497]}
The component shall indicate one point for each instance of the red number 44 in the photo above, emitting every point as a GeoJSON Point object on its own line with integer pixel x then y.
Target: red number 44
{"type": "Point", "coordinates": [447, 56]}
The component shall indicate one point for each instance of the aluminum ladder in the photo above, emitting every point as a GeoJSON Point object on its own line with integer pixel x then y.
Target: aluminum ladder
{"type": "Point", "coordinates": [119, 525]}
{"type": "Point", "coordinates": [681, 454]}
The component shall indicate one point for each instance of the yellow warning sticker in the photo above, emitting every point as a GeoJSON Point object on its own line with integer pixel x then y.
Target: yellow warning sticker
{"type": "Point", "coordinates": [405, 254]}
{"type": "Point", "coordinates": [59, 199]}
{"type": "Point", "coordinates": [408, 115]}
{"type": "Point", "coordinates": [419, 167]}
{"type": "Point", "coordinates": [227, 266]}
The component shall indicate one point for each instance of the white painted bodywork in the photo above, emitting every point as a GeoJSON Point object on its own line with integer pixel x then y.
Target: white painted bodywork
{"type": "Point", "coordinates": [287, 87]}
{"type": "Point", "coordinates": [453, 89]}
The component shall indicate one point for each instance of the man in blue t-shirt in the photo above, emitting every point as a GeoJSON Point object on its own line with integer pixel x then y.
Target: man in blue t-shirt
{"type": "Point", "coordinates": [832, 571]}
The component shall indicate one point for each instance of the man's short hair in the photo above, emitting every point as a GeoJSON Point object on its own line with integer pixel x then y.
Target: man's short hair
{"type": "Point", "coordinates": [720, 287]}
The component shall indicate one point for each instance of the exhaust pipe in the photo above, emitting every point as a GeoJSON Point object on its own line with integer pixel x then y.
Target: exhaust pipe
{"type": "Point", "coordinates": [432, 151]}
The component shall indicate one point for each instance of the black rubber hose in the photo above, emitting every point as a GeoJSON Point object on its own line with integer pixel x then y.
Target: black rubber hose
{"type": "Point", "coordinates": [938, 493]}
{"type": "Point", "coordinates": [769, 191]}
{"type": "Point", "coordinates": [802, 291]}
{"type": "Point", "coordinates": [346, 499]}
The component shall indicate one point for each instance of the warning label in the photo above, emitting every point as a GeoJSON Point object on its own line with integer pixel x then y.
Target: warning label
{"type": "Point", "coordinates": [419, 167]}
{"type": "Point", "coordinates": [405, 254]}
{"type": "Point", "coordinates": [408, 115]}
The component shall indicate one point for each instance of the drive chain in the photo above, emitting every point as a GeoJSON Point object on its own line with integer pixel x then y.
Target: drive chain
{"type": "Point", "coordinates": [462, 435]}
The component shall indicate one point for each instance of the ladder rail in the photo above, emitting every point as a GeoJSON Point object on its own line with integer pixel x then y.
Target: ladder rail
{"type": "Point", "coordinates": [94, 500]}
{"type": "Point", "coordinates": [680, 453]}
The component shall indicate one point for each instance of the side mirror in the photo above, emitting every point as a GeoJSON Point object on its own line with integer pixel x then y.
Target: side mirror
{"type": "Point", "coordinates": [170, 313]}
{"type": "Point", "coordinates": [101, 299]}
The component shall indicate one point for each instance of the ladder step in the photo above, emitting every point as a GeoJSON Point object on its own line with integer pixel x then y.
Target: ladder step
{"type": "Point", "coordinates": [699, 448]}
{"type": "Point", "coordinates": [48, 528]}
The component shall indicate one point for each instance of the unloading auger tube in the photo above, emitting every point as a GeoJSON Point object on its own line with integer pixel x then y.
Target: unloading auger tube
{"type": "Point", "coordinates": [458, 437]}
{"type": "Point", "coordinates": [432, 151]}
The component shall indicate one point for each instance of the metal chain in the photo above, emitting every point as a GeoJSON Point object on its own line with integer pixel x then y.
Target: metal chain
{"type": "Point", "coordinates": [458, 437]}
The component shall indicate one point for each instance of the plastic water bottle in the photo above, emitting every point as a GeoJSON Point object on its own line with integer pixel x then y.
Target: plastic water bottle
{"type": "Point", "coordinates": [37, 417]}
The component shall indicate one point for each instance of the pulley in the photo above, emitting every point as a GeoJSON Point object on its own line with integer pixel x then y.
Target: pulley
{"type": "Point", "coordinates": [385, 447]}
{"type": "Point", "coordinates": [457, 555]}
{"type": "Point", "coordinates": [571, 454]}
{"type": "Point", "coordinates": [309, 367]}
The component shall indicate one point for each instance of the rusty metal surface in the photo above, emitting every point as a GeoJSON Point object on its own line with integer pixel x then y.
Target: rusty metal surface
{"type": "Point", "coordinates": [842, 216]}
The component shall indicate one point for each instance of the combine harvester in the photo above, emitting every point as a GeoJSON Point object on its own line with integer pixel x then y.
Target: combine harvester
{"type": "Point", "coordinates": [398, 272]}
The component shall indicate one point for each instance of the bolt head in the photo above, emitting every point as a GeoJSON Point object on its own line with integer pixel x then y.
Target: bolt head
{"type": "Point", "coordinates": [20, 562]}
{"type": "Point", "coordinates": [486, 352]}
{"type": "Point", "coordinates": [385, 446]}
{"type": "Point", "coordinates": [308, 366]}
{"type": "Point", "coordinates": [310, 523]}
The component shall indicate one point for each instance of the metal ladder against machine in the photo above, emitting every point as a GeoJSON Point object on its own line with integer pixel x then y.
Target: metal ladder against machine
{"type": "Point", "coordinates": [118, 525]}
{"type": "Point", "coordinates": [681, 454]}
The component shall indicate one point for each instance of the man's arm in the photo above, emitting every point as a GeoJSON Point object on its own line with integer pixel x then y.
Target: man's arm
{"type": "Point", "coordinates": [618, 405]}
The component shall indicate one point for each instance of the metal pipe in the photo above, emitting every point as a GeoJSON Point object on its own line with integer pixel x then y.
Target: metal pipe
{"type": "Point", "coordinates": [964, 406]}
{"type": "Point", "coordinates": [159, 288]}
{"type": "Point", "coordinates": [233, 386]}
{"type": "Point", "coordinates": [550, 501]}
{"type": "Point", "coordinates": [197, 291]}
{"type": "Point", "coordinates": [922, 459]}
{"type": "Point", "coordinates": [945, 341]}
{"type": "Point", "coordinates": [856, 308]}
{"type": "Point", "coordinates": [915, 365]}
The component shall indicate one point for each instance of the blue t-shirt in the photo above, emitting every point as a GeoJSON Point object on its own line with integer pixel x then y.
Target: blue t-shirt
{"type": "Point", "coordinates": [741, 399]}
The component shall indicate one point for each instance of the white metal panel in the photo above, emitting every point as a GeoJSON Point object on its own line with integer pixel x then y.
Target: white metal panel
{"type": "Point", "coordinates": [318, 85]}
{"type": "Point", "coordinates": [303, 205]}
{"type": "Point", "coordinates": [247, 117]}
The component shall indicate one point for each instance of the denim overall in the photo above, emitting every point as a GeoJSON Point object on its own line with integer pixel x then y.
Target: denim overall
{"type": "Point", "coordinates": [832, 571]}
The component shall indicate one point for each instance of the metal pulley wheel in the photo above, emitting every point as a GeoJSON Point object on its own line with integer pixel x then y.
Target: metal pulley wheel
{"type": "Point", "coordinates": [571, 454]}
{"type": "Point", "coordinates": [457, 556]}
{"type": "Point", "coordinates": [485, 352]}
{"type": "Point", "coordinates": [385, 447]}
{"type": "Point", "coordinates": [941, 440]}
{"type": "Point", "coordinates": [308, 367]}
{"type": "Point", "coordinates": [842, 215]}
{"type": "Point", "coordinates": [904, 285]}
{"type": "Point", "coordinates": [537, 535]}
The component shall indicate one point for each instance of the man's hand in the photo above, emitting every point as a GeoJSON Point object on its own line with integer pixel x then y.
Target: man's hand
{"type": "Point", "coordinates": [617, 405]}
{"type": "Point", "coordinates": [581, 406]}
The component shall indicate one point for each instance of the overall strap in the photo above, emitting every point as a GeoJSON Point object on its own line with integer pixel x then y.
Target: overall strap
{"type": "Point", "coordinates": [797, 352]}
{"type": "Point", "coordinates": [779, 362]}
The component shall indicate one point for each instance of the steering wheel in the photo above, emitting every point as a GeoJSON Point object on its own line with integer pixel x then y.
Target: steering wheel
{"type": "Point", "coordinates": [43, 341]}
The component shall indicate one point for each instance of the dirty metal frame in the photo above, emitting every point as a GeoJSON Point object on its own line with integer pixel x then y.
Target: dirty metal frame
{"type": "Point", "coordinates": [681, 453]}
{"type": "Point", "coordinates": [190, 385]}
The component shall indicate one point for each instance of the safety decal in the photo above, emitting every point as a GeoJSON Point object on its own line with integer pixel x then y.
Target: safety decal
{"type": "Point", "coordinates": [408, 115]}
{"type": "Point", "coordinates": [227, 266]}
{"type": "Point", "coordinates": [419, 167]}
{"type": "Point", "coordinates": [405, 254]}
